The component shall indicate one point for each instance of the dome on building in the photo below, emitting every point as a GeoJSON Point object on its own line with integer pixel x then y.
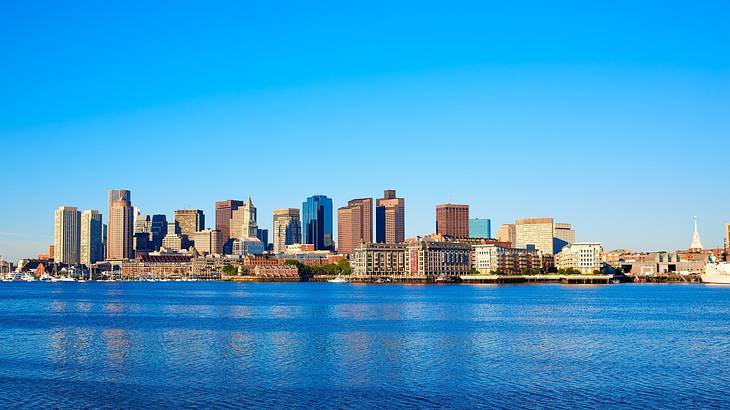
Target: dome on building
{"type": "Point", "coordinates": [248, 246]}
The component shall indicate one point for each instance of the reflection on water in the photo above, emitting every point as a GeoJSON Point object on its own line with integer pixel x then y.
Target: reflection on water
{"type": "Point", "coordinates": [322, 345]}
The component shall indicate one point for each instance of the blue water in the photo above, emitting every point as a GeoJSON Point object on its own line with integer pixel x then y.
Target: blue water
{"type": "Point", "coordinates": [122, 345]}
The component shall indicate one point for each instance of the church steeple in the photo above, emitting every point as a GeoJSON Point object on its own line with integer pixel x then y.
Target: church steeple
{"type": "Point", "coordinates": [696, 242]}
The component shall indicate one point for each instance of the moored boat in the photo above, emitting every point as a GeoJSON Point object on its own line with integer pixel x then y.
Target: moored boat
{"type": "Point", "coordinates": [717, 273]}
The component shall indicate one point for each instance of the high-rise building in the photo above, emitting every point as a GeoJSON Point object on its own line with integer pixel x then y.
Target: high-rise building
{"type": "Point", "coordinates": [354, 224]}
{"type": "Point", "coordinates": [506, 233]}
{"type": "Point", "coordinates": [158, 229]}
{"type": "Point", "coordinates": [263, 235]}
{"type": "Point", "coordinates": [480, 228]}
{"type": "Point", "coordinates": [727, 236]}
{"type": "Point", "coordinates": [537, 232]}
{"type": "Point", "coordinates": [452, 220]}
{"type": "Point", "coordinates": [317, 222]}
{"type": "Point", "coordinates": [67, 235]}
{"type": "Point", "coordinates": [223, 214]}
{"type": "Point", "coordinates": [142, 223]}
{"type": "Point", "coordinates": [120, 225]}
{"type": "Point", "coordinates": [287, 228]}
{"type": "Point", "coordinates": [189, 221]}
{"type": "Point", "coordinates": [173, 241]}
{"type": "Point", "coordinates": [243, 221]}
{"type": "Point", "coordinates": [563, 236]}
{"type": "Point", "coordinates": [91, 233]}
{"type": "Point", "coordinates": [207, 241]}
{"type": "Point", "coordinates": [390, 217]}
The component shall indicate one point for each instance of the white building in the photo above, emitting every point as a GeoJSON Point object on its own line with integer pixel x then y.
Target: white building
{"type": "Point", "coordinates": [582, 256]}
{"type": "Point", "coordinates": [67, 235]}
{"type": "Point", "coordinates": [287, 228]}
{"type": "Point", "coordinates": [207, 241]}
{"type": "Point", "coordinates": [91, 241]}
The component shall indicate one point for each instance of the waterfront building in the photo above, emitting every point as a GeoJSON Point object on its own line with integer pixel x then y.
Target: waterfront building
{"type": "Point", "coordinates": [91, 243]}
{"type": "Point", "coordinates": [696, 241]}
{"type": "Point", "coordinates": [207, 242]}
{"type": "Point", "coordinates": [120, 225]}
{"type": "Point", "coordinates": [507, 233]}
{"type": "Point", "coordinates": [274, 272]}
{"type": "Point", "coordinates": [480, 228]}
{"type": "Point", "coordinates": [452, 220]}
{"type": "Point", "coordinates": [173, 241]}
{"type": "Point", "coordinates": [317, 222]}
{"type": "Point", "coordinates": [390, 225]}
{"type": "Point", "coordinates": [430, 260]}
{"type": "Point", "coordinates": [157, 266]}
{"type": "Point", "coordinates": [354, 224]}
{"type": "Point", "coordinates": [379, 260]}
{"type": "Point", "coordinates": [67, 235]}
{"type": "Point", "coordinates": [499, 259]}
{"type": "Point", "coordinates": [563, 234]}
{"type": "Point", "coordinates": [287, 228]}
{"type": "Point", "coordinates": [158, 230]}
{"type": "Point", "coordinates": [223, 214]}
{"type": "Point", "coordinates": [535, 232]}
{"type": "Point", "coordinates": [585, 257]}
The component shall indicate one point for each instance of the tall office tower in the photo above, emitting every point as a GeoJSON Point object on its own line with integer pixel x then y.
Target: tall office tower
{"type": "Point", "coordinates": [506, 233]}
{"type": "Point", "coordinates": [91, 232]}
{"type": "Point", "coordinates": [223, 214]}
{"type": "Point", "coordinates": [172, 240]}
{"type": "Point", "coordinates": [120, 225]}
{"type": "Point", "coordinates": [66, 235]}
{"type": "Point", "coordinates": [727, 237]}
{"type": "Point", "coordinates": [207, 241]}
{"type": "Point", "coordinates": [104, 236]}
{"type": "Point", "coordinates": [452, 220]}
{"type": "Point", "coordinates": [158, 229]}
{"type": "Point", "coordinates": [317, 222]}
{"type": "Point", "coordinates": [563, 236]}
{"type": "Point", "coordinates": [189, 221]}
{"type": "Point", "coordinates": [263, 235]}
{"type": "Point", "coordinates": [480, 228]}
{"type": "Point", "coordinates": [537, 232]}
{"type": "Point", "coordinates": [243, 221]}
{"type": "Point", "coordinates": [390, 218]}
{"type": "Point", "coordinates": [142, 223]}
{"type": "Point", "coordinates": [354, 225]}
{"type": "Point", "coordinates": [287, 228]}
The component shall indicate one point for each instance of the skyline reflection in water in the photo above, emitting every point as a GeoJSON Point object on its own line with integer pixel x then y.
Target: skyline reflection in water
{"type": "Point", "coordinates": [326, 345]}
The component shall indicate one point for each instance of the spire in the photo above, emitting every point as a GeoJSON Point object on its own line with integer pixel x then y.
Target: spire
{"type": "Point", "coordinates": [696, 242]}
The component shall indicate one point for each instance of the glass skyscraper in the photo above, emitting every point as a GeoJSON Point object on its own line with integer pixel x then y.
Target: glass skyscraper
{"type": "Point", "coordinates": [317, 222]}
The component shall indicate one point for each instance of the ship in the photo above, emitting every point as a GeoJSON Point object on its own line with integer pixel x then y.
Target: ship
{"type": "Point", "coordinates": [717, 273]}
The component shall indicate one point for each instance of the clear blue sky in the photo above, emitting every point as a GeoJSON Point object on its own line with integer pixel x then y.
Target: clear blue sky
{"type": "Point", "coordinates": [613, 116]}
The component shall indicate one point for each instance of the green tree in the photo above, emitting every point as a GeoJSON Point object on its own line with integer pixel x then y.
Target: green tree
{"type": "Point", "coordinates": [344, 266]}
{"type": "Point", "coordinates": [230, 270]}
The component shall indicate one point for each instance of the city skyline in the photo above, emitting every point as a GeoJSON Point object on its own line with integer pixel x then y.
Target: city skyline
{"type": "Point", "coordinates": [613, 120]}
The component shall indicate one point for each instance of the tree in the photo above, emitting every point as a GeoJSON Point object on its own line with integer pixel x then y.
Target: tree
{"type": "Point", "coordinates": [473, 271]}
{"type": "Point", "coordinates": [230, 270]}
{"type": "Point", "coordinates": [344, 266]}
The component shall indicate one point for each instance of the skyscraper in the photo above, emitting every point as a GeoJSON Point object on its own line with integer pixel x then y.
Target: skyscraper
{"type": "Point", "coordinates": [563, 235]}
{"type": "Point", "coordinates": [120, 225]}
{"type": "Point", "coordinates": [158, 229]}
{"type": "Point", "coordinates": [390, 225]}
{"type": "Point", "coordinates": [189, 221]}
{"type": "Point", "coordinates": [727, 236]}
{"type": "Point", "coordinates": [243, 221]}
{"type": "Point", "coordinates": [223, 214]}
{"type": "Point", "coordinates": [480, 228]}
{"type": "Point", "coordinates": [287, 228]}
{"type": "Point", "coordinates": [354, 224]}
{"type": "Point", "coordinates": [537, 232]}
{"type": "Point", "coordinates": [317, 222]}
{"type": "Point", "coordinates": [452, 220]}
{"type": "Point", "coordinates": [91, 233]}
{"type": "Point", "coordinates": [66, 235]}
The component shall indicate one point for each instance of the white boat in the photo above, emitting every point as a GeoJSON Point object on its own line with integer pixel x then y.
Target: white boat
{"type": "Point", "coordinates": [64, 279]}
{"type": "Point", "coordinates": [338, 279]}
{"type": "Point", "coordinates": [718, 273]}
